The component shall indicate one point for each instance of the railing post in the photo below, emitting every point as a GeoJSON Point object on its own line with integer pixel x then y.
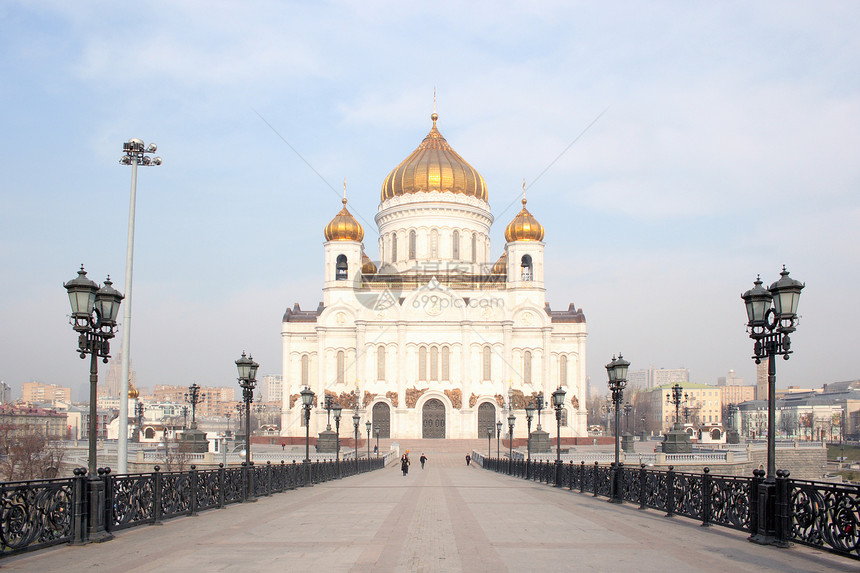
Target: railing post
{"type": "Point", "coordinates": [670, 492]}
{"type": "Point", "coordinates": [783, 504]}
{"type": "Point", "coordinates": [707, 480]}
{"type": "Point", "coordinates": [582, 476]}
{"type": "Point", "coordinates": [756, 516]}
{"type": "Point", "coordinates": [109, 499]}
{"type": "Point", "coordinates": [617, 477]}
{"type": "Point", "coordinates": [643, 485]}
{"type": "Point", "coordinates": [250, 470]}
{"type": "Point", "coordinates": [79, 517]}
{"type": "Point", "coordinates": [570, 471]}
{"type": "Point", "coordinates": [192, 476]}
{"type": "Point", "coordinates": [156, 496]}
{"type": "Point", "coordinates": [595, 480]}
{"type": "Point", "coordinates": [268, 478]}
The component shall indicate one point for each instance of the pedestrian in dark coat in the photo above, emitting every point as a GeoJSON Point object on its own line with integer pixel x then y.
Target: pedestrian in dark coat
{"type": "Point", "coordinates": [404, 464]}
{"type": "Point", "coordinates": [422, 459]}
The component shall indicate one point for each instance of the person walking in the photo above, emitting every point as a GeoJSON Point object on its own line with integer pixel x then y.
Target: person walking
{"type": "Point", "coordinates": [404, 464]}
{"type": "Point", "coordinates": [468, 459]}
{"type": "Point", "coordinates": [422, 459]}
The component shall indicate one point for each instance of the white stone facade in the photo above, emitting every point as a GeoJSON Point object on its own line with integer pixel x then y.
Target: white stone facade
{"type": "Point", "coordinates": [434, 344]}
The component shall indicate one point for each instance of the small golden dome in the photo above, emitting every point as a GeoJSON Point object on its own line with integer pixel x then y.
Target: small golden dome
{"type": "Point", "coordinates": [367, 266]}
{"type": "Point", "coordinates": [524, 227]}
{"type": "Point", "coordinates": [501, 266]}
{"type": "Point", "coordinates": [434, 166]}
{"type": "Point", "coordinates": [132, 391]}
{"type": "Point", "coordinates": [344, 227]}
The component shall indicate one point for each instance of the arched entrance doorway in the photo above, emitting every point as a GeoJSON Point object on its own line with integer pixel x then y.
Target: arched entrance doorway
{"type": "Point", "coordinates": [381, 420]}
{"type": "Point", "coordinates": [433, 425]}
{"type": "Point", "coordinates": [486, 419]}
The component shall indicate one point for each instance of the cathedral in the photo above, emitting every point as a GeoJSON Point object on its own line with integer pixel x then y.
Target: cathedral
{"type": "Point", "coordinates": [437, 339]}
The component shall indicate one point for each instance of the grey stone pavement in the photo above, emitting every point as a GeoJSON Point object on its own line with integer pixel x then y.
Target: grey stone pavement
{"type": "Point", "coordinates": [446, 517]}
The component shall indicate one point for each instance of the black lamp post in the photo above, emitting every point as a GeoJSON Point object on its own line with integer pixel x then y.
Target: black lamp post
{"type": "Point", "coordinates": [498, 440]}
{"type": "Point", "coordinates": [676, 397]}
{"type": "Point", "coordinates": [377, 443]}
{"type": "Point", "coordinates": [337, 409]}
{"type": "Point", "coordinates": [329, 403]}
{"type": "Point", "coordinates": [138, 414]}
{"type": "Point", "coordinates": [94, 312]}
{"type": "Point", "coordinates": [539, 405]}
{"type": "Point", "coordinates": [627, 408]}
{"type": "Point", "coordinates": [307, 404]}
{"type": "Point", "coordinates": [489, 439]}
{"type": "Point", "coordinates": [530, 412]}
{"type": "Point", "coordinates": [511, 421]}
{"type": "Point", "coordinates": [558, 404]}
{"type": "Point", "coordinates": [772, 315]}
{"type": "Point", "coordinates": [194, 397]}
{"type": "Point", "coordinates": [355, 420]}
{"type": "Point", "coordinates": [617, 370]}
{"type": "Point", "coordinates": [248, 381]}
{"type": "Point", "coordinates": [368, 426]}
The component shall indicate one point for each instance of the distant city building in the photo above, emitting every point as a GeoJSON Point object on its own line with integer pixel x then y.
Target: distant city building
{"type": "Point", "coordinates": [113, 376]}
{"type": "Point", "coordinates": [736, 394]}
{"type": "Point", "coordinates": [270, 388]}
{"type": "Point", "coordinates": [5, 393]}
{"type": "Point", "coordinates": [216, 401]}
{"type": "Point", "coordinates": [646, 379]}
{"type": "Point", "coordinates": [21, 420]}
{"type": "Point", "coordinates": [761, 381]}
{"type": "Point", "coordinates": [703, 406]}
{"type": "Point", "coordinates": [731, 379]}
{"type": "Point", "coordinates": [38, 393]}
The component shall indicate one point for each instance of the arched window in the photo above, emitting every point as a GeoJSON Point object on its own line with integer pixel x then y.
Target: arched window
{"type": "Point", "coordinates": [412, 245]}
{"type": "Point", "coordinates": [446, 368]}
{"type": "Point", "coordinates": [149, 434]}
{"type": "Point", "coordinates": [434, 244]}
{"type": "Point", "coordinates": [305, 370]}
{"type": "Point", "coordinates": [380, 363]}
{"type": "Point", "coordinates": [562, 370]}
{"type": "Point", "coordinates": [340, 272]}
{"type": "Point", "coordinates": [393, 247]}
{"type": "Point", "coordinates": [340, 365]}
{"type": "Point", "coordinates": [474, 248]}
{"type": "Point", "coordinates": [527, 268]}
{"type": "Point", "coordinates": [527, 367]}
{"type": "Point", "coordinates": [455, 246]}
{"type": "Point", "coordinates": [486, 363]}
{"type": "Point", "coordinates": [422, 363]}
{"type": "Point", "coordinates": [434, 363]}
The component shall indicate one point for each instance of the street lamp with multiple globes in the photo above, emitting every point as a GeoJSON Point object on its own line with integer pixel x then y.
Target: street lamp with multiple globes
{"type": "Point", "coordinates": [194, 397]}
{"type": "Point", "coordinates": [93, 317]}
{"type": "Point", "coordinates": [307, 404]}
{"type": "Point", "coordinates": [558, 404]}
{"type": "Point", "coordinates": [498, 440]}
{"type": "Point", "coordinates": [511, 421]}
{"type": "Point", "coordinates": [136, 153]}
{"type": "Point", "coordinates": [617, 371]}
{"type": "Point", "coordinates": [772, 315]}
{"type": "Point", "coordinates": [248, 381]}
{"type": "Point", "coordinates": [368, 426]}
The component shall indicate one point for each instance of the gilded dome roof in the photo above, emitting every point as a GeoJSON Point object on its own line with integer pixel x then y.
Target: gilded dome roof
{"type": "Point", "coordinates": [501, 266]}
{"type": "Point", "coordinates": [524, 227]}
{"type": "Point", "coordinates": [434, 166]}
{"type": "Point", "coordinates": [344, 227]}
{"type": "Point", "coordinates": [132, 391]}
{"type": "Point", "coordinates": [367, 266]}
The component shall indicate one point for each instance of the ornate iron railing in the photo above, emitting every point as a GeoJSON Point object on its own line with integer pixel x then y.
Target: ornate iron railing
{"type": "Point", "coordinates": [41, 513]}
{"type": "Point", "coordinates": [819, 514]}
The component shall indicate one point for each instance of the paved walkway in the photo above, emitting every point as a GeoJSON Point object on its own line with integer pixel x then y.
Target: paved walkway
{"type": "Point", "coordinates": [446, 517]}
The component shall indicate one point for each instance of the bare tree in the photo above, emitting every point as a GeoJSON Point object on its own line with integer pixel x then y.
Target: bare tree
{"type": "Point", "coordinates": [30, 455]}
{"type": "Point", "coordinates": [176, 454]}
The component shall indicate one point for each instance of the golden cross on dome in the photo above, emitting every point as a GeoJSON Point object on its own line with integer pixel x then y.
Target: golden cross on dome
{"type": "Point", "coordinates": [344, 191]}
{"type": "Point", "coordinates": [524, 190]}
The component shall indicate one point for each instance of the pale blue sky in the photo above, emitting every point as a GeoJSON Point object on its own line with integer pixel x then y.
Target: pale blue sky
{"type": "Point", "coordinates": [729, 146]}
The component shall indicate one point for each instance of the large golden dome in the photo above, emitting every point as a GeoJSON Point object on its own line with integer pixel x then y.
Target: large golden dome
{"type": "Point", "coordinates": [367, 266]}
{"type": "Point", "coordinates": [501, 266]}
{"type": "Point", "coordinates": [434, 166]}
{"type": "Point", "coordinates": [344, 227]}
{"type": "Point", "coordinates": [524, 227]}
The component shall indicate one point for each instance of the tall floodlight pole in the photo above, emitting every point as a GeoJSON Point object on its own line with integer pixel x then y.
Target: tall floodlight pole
{"type": "Point", "coordinates": [135, 154]}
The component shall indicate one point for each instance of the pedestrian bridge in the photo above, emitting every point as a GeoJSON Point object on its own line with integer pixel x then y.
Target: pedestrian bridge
{"type": "Point", "coordinates": [447, 517]}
